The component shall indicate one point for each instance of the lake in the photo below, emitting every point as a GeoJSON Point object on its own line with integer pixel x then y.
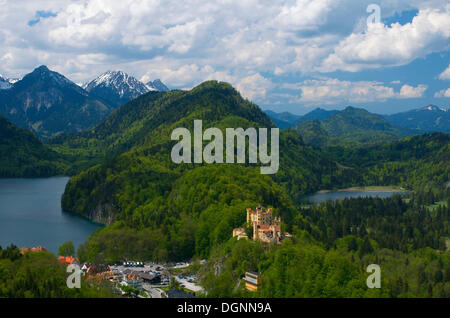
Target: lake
{"type": "Point", "coordinates": [322, 197]}
{"type": "Point", "coordinates": [31, 215]}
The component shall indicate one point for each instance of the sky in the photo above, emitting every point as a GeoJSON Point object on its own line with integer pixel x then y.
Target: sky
{"type": "Point", "coordinates": [284, 55]}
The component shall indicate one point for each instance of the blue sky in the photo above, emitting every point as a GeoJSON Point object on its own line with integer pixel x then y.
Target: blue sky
{"type": "Point", "coordinates": [287, 55]}
{"type": "Point", "coordinates": [41, 14]}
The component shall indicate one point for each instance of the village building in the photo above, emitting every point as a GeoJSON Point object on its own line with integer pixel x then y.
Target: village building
{"type": "Point", "coordinates": [240, 233]}
{"type": "Point", "coordinates": [23, 250]}
{"type": "Point", "coordinates": [133, 280]}
{"type": "Point", "coordinates": [252, 281]}
{"type": "Point", "coordinates": [68, 260]}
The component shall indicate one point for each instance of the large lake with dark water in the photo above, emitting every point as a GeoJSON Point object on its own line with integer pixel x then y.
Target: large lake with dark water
{"type": "Point", "coordinates": [31, 215]}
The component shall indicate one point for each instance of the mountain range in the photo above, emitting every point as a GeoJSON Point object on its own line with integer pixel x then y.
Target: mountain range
{"type": "Point", "coordinates": [283, 120]}
{"type": "Point", "coordinates": [351, 125]}
{"type": "Point", "coordinates": [117, 87]}
{"type": "Point", "coordinates": [426, 119]}
{"type": "Point", "coordinates": [48, 103]}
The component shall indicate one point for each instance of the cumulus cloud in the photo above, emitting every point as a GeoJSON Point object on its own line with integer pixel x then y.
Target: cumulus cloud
{"type": "Point", "coordinates": [257, 36]}
{"type": "Point", "coordinates": [445, 75]}
{"type": "Point", "coordinates": [408, 91]}
{"type": "Point", "coordinates": [253, 87]}
{"type": "Point", "coordinates": [397, 44]}
{"type": "Point", "coordinates": [443, 93]}
{"type": "Point", "coordinates": [247, 43]}
{"type": "Point", "coordinates": [332, 91]}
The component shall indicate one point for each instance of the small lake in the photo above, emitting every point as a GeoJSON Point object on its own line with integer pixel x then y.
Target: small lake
{"type": "Point", "coordinates": [31, 215]}
{"type": "Point", "coordinates": [318, 198]}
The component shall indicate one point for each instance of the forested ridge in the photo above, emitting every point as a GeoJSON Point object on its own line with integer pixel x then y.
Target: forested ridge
{"type": "Point", "coordinates": [349, 127]}
{"type": "Point", "coordinates": [22, 154]}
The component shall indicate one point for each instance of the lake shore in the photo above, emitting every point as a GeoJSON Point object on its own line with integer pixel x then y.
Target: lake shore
{"type": "Point", "coordinates": [367, 189]}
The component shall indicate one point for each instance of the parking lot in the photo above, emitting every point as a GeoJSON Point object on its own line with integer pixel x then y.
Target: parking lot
{"type": "Point", "coordinates": [188, 283]}
{"type": "Point", "coordinates": [154, 289]}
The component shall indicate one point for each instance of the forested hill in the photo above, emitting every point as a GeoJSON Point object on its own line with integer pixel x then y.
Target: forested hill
{"type": "Point", "coordinates": [142, 189]}
{"type": "Point", "coordinates": [133, 123]}
{"type": "Point", "coordinates": [172, 211]}
{"type": "Point", "coordinates": [351, 126]}
{"type": "Point", "coordinates": [418, 162]}
{"type": "Point", "coordinates": [22, 154]}
{"type": "Point", "coordinates": [433, 147]}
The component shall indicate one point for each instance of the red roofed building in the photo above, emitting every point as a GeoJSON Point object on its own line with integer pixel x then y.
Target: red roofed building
{"type": "Point", "coordinates": [67, 260]}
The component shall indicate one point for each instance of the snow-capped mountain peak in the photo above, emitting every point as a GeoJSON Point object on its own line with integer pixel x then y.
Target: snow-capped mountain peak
{"type": "Point", "coordinates": [7, 83]}
{"type": "Point", "coordinates": [117, 87]}
{"type": "Point", "coordinates": [119, 81]}
{"type": "Point", "coordinates": [157, 85]}
{"type": "Point", "coordinates": [434, 108]}
{"type": "Point", "coordinates": [4, 83]}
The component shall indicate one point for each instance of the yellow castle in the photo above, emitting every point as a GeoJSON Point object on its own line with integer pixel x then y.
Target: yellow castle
{"type": "Point", "coordinates": [266, 227]}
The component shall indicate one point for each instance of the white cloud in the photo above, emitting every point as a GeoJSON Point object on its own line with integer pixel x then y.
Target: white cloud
{"type": "Point", "coordinates": [443, 93]}
{"type": "Point", "coordinates": [397, 44]}
{"type": "Point", "coordinates": [445, 75]}
{"type": "Point", "coordinates": [334, 91]}
{"type": "Point", "coordinates": [331, 91]}
{"type": "Point", "coordinates": [254, 36]}
{"type": "Point", "coordinates": [246, 43]}
{"type": "Point", "coordinates": [254, 87]}
{"type": "Point", "coordinates": [408, 91]}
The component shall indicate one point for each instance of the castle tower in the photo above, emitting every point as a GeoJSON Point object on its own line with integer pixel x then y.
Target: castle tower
{"type": "Point", "coordinates": [249, 215]}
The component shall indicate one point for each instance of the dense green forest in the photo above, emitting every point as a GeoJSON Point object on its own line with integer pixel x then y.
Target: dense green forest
{"type": "Point", "coordinates": [22, 154]}
{"type": "Point", "coordinates": [418, 162]}
{"type": "Point", "coordinates": [303, 268]}
{"type": "Point", "coordinates": [350, 127]}
{"type": "Point", "coordinates": [176, 211]}
{"type": "Point", "coordinates": [40, 275]}
{"type": "Point", "coordinates": [198, 212]}
{"type": "Point", "coordinates": [219, 105]}
{"type": "Point", "coordinates": [143, 190]}
{"type": "Point", "coordinates": [394, 223]}
{"type": "Point", "coordinates": [334, 243]}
